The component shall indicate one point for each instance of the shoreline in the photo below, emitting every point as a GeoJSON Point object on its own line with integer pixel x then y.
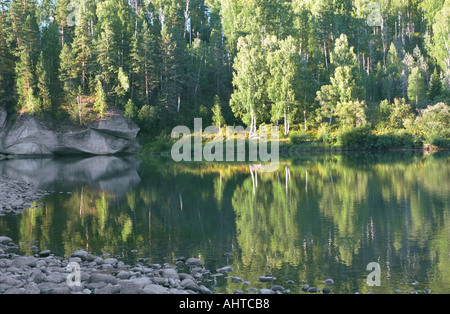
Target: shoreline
{"type": "Point", "coordinates": [17, 196]}
{"type": "Point", "coordinates": [45, 273]}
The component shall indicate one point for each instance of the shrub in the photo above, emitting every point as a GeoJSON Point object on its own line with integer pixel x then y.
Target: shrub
{"type": "Point", "coordinates": [360, 137]}
{"type": "Point", "coordinates": [397, 139]}
{"type": "Point", "coordinates": [399, 112]}
{"type": "Point", "coordinates": [325, 134]}
{"type": "Point", "coordinates": [297, 137]}
{"type": "Point", "coordinates": [436, 122]}
{"type": "Point", "coordinates": [148, 117]}
{"type": "Point", "coordinates": [158, 144]}
{"type": "Point", "coordinates": [441, 142]}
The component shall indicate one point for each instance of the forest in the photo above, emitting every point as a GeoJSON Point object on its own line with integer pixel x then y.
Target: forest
{"type": "Point", "coordinates": [360, 73]}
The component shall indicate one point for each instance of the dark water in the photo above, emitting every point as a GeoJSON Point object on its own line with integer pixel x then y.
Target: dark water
{"type": "Point", "coordinates": [318, 217]}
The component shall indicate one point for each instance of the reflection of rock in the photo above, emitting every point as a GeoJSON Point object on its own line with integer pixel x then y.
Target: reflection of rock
{"type": "Point", "coordinates": [110, 173]}
{"type": "Point", "coordinates": [28, 135]}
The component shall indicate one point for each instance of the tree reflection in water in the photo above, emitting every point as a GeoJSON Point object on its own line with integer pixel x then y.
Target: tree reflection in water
{"type": "Point", "coordinates": [316, 217]}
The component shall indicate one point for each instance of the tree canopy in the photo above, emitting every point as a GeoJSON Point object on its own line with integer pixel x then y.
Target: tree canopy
{"type": "Point", "coordinates": [268, 61]}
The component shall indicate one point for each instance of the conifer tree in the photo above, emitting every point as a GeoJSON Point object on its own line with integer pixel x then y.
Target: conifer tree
{"type": "Point", "coordinates": [100, 105]}
{"type": "Point", "coordinates": [43, 85]}
{"type": "Point", "coordinates": [68, 72]}
{"type": "Point", "coordinates": [82, 47]}
{"type": "Point", "coordinates": [217, 118]}
{"type": "Point", "coordinates": [435, 85]}
{"type": "Point", "coordinates": [25, 83]}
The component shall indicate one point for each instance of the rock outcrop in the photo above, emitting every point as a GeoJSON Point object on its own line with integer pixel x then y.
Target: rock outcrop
{"type": "Point", "coordinates": [30, 136]}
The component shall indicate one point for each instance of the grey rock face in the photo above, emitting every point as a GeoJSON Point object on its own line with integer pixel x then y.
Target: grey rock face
{"type": "Point", "coordinates": [29, 136]}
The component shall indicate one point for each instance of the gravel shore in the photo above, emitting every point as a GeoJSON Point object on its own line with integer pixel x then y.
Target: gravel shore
{"type": "Point", "coordinates": [45, 273]}
{"type": "Point", "coordinates": [17, 196]}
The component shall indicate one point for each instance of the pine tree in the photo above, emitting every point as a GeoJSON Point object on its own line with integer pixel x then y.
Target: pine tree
{"type": "Point", "coordinates": [25, 83]}
{"type": "Point", "coordinates": [107, 49]}
{"type": "Point", "coordinates": [6, 56]}
{"type": "Point", "coordinates": [42, 85]}
{"type": "Point", "coordinates": [24, 29]}
{"type": "Point", "coordinates": [100, 105]}
{"type": "Point", "coordinates": [217, 118]}
{"type": "Point", "coordinates": [143, 70]}
{"type": "Point", "coordinates": [68, 72]}
{"type": "Point", "coordinates": [122, 85]}
{"type": "Point", "coordinates": [62, 17]}
{"type": "Point", "coordinates": [51, 50]}
{"type": "Point", "coordinates": [435, 85]}
{"type": "Point", "coordinates": [172, 74]}
{"type": "Point", "coordinates": [130, 110]}
{"type": "Point", "coordinates": [82, 47]}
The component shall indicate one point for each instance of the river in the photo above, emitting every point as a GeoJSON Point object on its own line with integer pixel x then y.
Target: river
{"type": "Point", "coordinates": [318, 217]}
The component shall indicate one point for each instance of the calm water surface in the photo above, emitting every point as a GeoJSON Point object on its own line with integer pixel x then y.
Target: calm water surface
{"type": "Point", "coordinates": [318, 217]}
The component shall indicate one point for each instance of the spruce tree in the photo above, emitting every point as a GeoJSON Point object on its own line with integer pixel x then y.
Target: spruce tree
{"type": "Point", "coordinates": [217, 118]}
{"type": "Point", "coordinates": [100, 105]}
{"type": "Point", "coordinates": [25, 83]}
{"type": "Point", "coordinates": [82, 47]}
{"type": "Point", "coordinates": [435, 85]}
{"type": "Point", "coordinates": [68, 72]}
{"type": "Point", "coordinates": [42, 85]}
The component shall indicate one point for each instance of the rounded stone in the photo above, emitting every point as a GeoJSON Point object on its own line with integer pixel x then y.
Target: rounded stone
{"type": "Point", "coordinates": [193, 261]}
{"type": "Point", "coordinates": [267, 278]}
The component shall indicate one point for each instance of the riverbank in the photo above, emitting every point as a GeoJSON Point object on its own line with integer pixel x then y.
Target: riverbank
{"type": "Point", "coordinates": [45, 273]}
{"type": "Point", "coordinates": [17, 196]}
{"type": "Point", "coordinates": [287, 148]}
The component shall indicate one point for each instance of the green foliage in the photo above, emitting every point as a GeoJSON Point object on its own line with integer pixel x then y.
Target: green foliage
{"type": "Point", "coordinates": [158, 144]}
{"type": "Point", "coordinates": [205, 114]}
{"type": "Point", "coordinates": [130, 110]}
{"type": "Point", "coordinates": [326, 135]}
{"type": "Point", "coordinates": [438, 43]}
{"type": "Point", "coordinates": [435, 90]}
{"type": "Point", "coordinates": [360, 137]}
{"type": "Point", "coordinates": [298, 61]}
{"type": "Point", "coordinates": [25, 83]}
{"type": "Point", "coordinates": [352, 113]}
{"type": "Point", "coordinates": [436, 122]}
{"type": "Point", "coordinates": [397, 139]}
{"type": "Point", "coordinates": [123, 84]}
{"type": "Point", "coordinates": [100, 105]}
{"type": "Point", "coordinates": [416, 86]}
{"type": "Point", "coordinates": [217, 117]}
{"type": "Point", "coordinates": [297, 137]}
{"type": "Point", "coordinates": [148, 117]}
{"type": "Point", "coordinates": [399, 112]}
{"type": "Point", "coordinates": [43, 85]}
{"type": "Point", "coordinates": [441, 142]}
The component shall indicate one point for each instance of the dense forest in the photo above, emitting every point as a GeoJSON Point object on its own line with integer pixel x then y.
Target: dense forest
{"type": "Point", "coordinates": [325, 65]}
